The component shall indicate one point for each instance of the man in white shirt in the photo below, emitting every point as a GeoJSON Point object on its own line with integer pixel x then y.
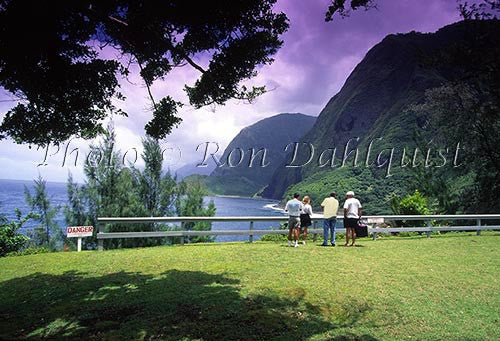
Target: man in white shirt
{"type": "Point", "coordinates": [294, 208]}
{"type": "Point", "coordinates": [330, 207]}
{"type": "Point", "coordinates": [352, 213]}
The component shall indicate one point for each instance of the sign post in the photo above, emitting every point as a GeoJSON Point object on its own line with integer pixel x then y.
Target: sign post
{"type": "Point", "coordinates": [79, 232]}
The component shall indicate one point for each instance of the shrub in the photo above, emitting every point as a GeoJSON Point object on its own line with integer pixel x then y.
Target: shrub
{"type": "Point", "coordinates": [278, 238]}
{"type": "Point", "coordinates": [32, 250]}
{"type": "Point", "coordinates": [415, 204]}
{"type": "Point", "coordinates": [10, 239]}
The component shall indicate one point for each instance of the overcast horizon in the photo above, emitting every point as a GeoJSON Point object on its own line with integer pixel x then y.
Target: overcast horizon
{"type": "Point", "coordinates": [310, 68]}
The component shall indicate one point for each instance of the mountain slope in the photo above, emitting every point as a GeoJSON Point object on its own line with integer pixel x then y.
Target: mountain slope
{"type": "Point", "coordinates": [193, 169]}
{"type": "Point", "coordinates": [239, 176]}
{"type": "Point", "coordinates": [372, 106]}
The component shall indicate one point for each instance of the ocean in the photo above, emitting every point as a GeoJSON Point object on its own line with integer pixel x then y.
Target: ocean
{"type": "Point", "coordinates": [12, 197]}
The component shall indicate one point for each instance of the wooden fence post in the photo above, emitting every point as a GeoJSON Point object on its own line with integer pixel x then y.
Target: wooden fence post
{"type": "Point", "coordinates": [429, 226]}
{"type": "Point", "coordinates": [478, 232]}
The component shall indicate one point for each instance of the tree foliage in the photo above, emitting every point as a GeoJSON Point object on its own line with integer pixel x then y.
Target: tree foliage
{"type": "Point", "coordinates": [112, 189]}
{"type": "Point", "coordinates": [192, 205]}
{"type": "Point", "coordinates": [10, 239]}
{"type": "Point", "coordinates": [465, 109]}
{"type": "Point", "coordinates": [157, 191]}
{"type": "Point", "coordinates": [48, 233]}
{"type": "Point", "coordinates": [108, 191]}
{"type": "Point", "coordinates": [414, 204]}
{"type": "Point", "coordinates": [53, 61]}
{"type": "Point", "coordinates": [486, 9]}
{"type": "Point", "coordinates": [343, 9]}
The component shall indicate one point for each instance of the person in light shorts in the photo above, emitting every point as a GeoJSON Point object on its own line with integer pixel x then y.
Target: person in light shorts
{"type": "Point", "coordinates": [294, 207]}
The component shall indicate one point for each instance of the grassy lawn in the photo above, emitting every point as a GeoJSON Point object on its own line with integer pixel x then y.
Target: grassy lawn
{"type": "Point", "coordinates": [445, 287]}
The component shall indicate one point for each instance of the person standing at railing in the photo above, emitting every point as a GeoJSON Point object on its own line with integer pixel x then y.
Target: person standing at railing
{"type": "Point", "coordinates": [330, 208]}
{"type": "Point", "coordinates": [294, 207]}
{"type": "Point", "coordinates": [305, 217]}
{"type": "Point", "coordinates": [352, 213]}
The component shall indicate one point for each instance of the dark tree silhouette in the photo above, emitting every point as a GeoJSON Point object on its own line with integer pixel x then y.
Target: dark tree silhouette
{"type": "Point", "coordinates": [483, 10]}
{"type": "Point", "coordinates": [51, 62]}
{"type": "Point", "coordinates": [340, 7]}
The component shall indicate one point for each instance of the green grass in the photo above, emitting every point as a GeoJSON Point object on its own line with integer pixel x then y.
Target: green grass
{"type": "Point", "coordinates": [445, 287]}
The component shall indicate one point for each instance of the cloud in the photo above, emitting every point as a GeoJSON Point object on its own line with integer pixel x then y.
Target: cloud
{"type": "Point", "coordinates": [309, 69]}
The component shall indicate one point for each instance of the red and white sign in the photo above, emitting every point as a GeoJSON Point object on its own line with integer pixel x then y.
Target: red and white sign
{"type": "Point", "coordinates": [79, 231]}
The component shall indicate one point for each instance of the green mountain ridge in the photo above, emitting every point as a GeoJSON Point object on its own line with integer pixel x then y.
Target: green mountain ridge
{"type": "Point", "coordinates": [372, 106]}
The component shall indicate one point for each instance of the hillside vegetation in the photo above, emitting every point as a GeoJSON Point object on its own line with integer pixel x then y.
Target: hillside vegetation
{"type": "Point", "coordinates": [379, 103]}
{"type": "Point", "coordinates": [445, 287]}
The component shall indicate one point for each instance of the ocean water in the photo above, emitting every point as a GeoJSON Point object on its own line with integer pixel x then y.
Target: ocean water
{"type": "Point", "coordinates": [231, 206]}
{"type": "Point", "coordinates": [12, 197]}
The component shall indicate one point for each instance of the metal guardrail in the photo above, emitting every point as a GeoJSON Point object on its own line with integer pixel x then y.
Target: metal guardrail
{"type": "Point", "coordinates": [373, 220]}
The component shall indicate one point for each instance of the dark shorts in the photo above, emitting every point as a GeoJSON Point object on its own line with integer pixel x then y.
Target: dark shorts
{"type": "Point", "coordinates": [350, 222]}
{"type": "Point", "coordinates": [293, 223]}
{"type": "Point", "coordinates": [305, 220]}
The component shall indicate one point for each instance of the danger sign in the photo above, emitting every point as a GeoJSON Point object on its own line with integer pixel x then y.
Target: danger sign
{"type": "Point", "coordinates": [79, 231]}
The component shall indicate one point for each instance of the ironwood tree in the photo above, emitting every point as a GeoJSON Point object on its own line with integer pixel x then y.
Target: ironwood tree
{"type": "Point", "coordinates": [52, 62]}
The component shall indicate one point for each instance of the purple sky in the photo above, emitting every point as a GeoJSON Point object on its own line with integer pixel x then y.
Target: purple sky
{"type": "Point", "coordinates": [311, 67]}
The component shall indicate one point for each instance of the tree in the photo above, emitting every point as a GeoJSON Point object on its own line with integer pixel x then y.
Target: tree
{"type": "Point", "coordinates": [477, 11]}
{"type": "Point", "coordinates": [339, 6]}
{"type": "Point", "coordinates": [444, 185]}
{"type": "Point", "coordinates": [472, 118]}
{"type": "Point", "coordinates": [10, 239]}
{"type": "Point", "coordinates": [465, 109]}
{"type": "Point", "coordinates": [40, 204]}
{"type": "Point", "coordinates": [158, 192]}
{"type": "Point", "coordinates": [415, 204]}
{"type": "Point", "coordinates": [54, 65]}
{"type": "Point", "coordinates": [108, 191]}
{"type": "Point", "coordinates": [484, 10]}
{"type": "Point", "coordinates": [191, 204]}
{"type": "Point", "coordinates": [112, 189]}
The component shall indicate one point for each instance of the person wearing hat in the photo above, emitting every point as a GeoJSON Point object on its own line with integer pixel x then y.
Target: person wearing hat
{"type": "Point", "coordinates": [330, 207]}
{"type": "Point", "coordinates": [352, 213]}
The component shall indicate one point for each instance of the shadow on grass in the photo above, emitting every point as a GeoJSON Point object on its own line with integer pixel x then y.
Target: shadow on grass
{"type": "Point", "coordinates": [174, 305]}
{"type": "Point", "coordinates": [443, 235]}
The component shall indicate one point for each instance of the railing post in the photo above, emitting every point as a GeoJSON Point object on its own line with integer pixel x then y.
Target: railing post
{"type": "Point", "coordinates": [182, 237]}
{"type": "Point", "coordinates": [429, 226]}
{"type": "Point", "coordinates": [100, 242]}
{"type": "Point", "coordinates": [250, 237]}
{"type": "Point", "coordinates": [315, 235]}
{"type": "Point", "coordinates": [374, 226]}
{"type": "Point", "coordinates": [478, 232]}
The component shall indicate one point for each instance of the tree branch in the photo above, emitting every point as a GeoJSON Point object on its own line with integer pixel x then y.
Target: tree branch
{"type": "Point", "coordinates": [182, 53]}
{"type": "Point", "coordinates": [189, 60]}
{"type": "Point", "coordinates": [147, 85]}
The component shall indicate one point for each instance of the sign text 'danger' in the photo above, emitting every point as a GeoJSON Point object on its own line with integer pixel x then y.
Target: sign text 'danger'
{"type": "Point", "coordinates": [79, 231]}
